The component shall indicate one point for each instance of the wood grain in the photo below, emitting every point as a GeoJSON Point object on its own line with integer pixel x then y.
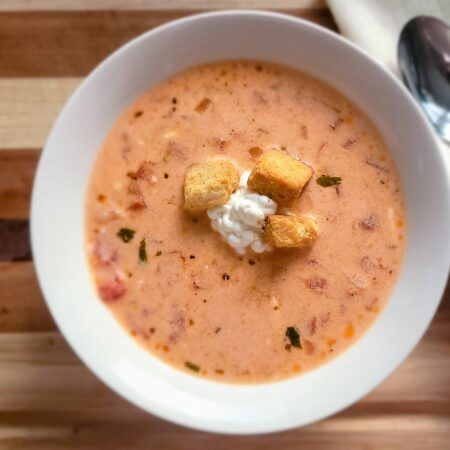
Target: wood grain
{"type": "Point", "coordinates": [86, 5]}
{"type": "Point", "coordinates": [28, 108]}
{"type": "Point", "coordinates": [22, 307]}
{"type": "Point", "coordinates": [71, 44]}
{"type": "Point", "coordinates": [14, 240]}
{"type": "Point", "coordinates": [48, 399]}
{"type": "Point", "coordinates": [17, 169]}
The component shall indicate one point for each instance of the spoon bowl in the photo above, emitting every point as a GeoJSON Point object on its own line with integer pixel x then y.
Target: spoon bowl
{"type": "Point", "coordinates": [424, 61]}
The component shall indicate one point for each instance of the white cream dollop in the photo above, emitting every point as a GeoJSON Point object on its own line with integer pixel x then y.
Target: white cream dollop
{"type": "Point", "coordinates": [240, 220]}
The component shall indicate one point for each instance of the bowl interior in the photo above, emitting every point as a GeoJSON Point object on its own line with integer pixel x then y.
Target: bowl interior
{"type": "Point", "coordinates": [58, 223]}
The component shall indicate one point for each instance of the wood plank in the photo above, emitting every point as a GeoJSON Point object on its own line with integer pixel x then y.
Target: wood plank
{"type": "Point", "coordinates": [22, 307]}
{"type": "Point", "coordinates": [14, 240]}
{"type": "Point", "coordinates": [86, 5]}
{"type": "Point", "coordinates": [71, 44]}
{"type": "Point", "coordinates": [48, 399]}
{"type": "Point", "coordinates": [47, 431]}
{"type": "Point", "coordinates": [17, 169]}
{"type": "Point", "coordinates": [28, 108]}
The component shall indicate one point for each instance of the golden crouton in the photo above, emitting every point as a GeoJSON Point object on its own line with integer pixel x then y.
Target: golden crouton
{"type": "Point", "coordinates": [209, 184]}
{"type": "Point", "coordinates": [290, 231]}
{"type": "Point", "coordinates": [279, 176]}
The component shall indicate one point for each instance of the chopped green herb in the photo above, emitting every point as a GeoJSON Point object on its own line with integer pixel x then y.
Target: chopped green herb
{"type": "Point", "coordinates": [192, 366]}
{"type": "Point", "coordinates": [225, 276]}
{"type": "Point", "coordinates": [293, 336]}
{"type": "Point", "coordinates": [166, 175]}
{"type": "Point", "coordinates": [325, 181]}
{"type": "Point", "coordinates": [142, 252]}
{"type": "Point", "coordinates": [126, 234]}
{"type": "Point", "coordinates": [192, 256]}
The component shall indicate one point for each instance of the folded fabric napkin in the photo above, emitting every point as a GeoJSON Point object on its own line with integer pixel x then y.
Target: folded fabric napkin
{"type": "Point", "coordinates": [375, 25]}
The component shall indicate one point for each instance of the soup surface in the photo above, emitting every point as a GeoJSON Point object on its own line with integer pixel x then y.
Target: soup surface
{"type": "Point", "coordinates": [174, 283]}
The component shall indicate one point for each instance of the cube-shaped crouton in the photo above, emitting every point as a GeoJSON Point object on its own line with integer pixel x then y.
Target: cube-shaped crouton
{"type": "Point", "coordinates": [279, 176]}
{"type": "Point", "coordinates": [209, 184]}
{"type": "Point", "coordinates": [290, 231]}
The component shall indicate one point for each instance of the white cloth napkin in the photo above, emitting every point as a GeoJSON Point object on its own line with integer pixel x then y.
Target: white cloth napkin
{"type": "Point", "coordinates": [375, 25]}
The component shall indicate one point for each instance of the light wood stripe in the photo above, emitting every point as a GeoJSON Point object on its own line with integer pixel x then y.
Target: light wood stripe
{"type": "Point", "coordinates": [22, 308]}
{"type": "Point", "coordinates": [28, 108]}
{"type": "Point", "coordinates": [46, 391]}
{"type": "Point", "coordinates": [70, 5]}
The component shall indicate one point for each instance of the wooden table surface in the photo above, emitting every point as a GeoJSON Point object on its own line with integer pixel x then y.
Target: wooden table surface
{"type": "Point", "coordinates": [48, 399]}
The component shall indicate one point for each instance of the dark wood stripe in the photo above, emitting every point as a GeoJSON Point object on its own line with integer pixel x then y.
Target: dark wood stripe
{"type": "Point", "coordinates": [69, 44]}
{"type": "Point", "coordinates": [17, 169]}
{"type": "Point", "coordinates": [22, 307]}
{"type": "Point", "coordinates": [14, 240]}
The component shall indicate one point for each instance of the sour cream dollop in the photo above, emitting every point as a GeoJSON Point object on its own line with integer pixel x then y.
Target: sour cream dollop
{"type": "Point", "coordinates": [240, 220]}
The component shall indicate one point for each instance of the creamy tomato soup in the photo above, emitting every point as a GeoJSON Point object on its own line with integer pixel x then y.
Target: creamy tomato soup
{"type": "Point", "coordinates": [175, 284]}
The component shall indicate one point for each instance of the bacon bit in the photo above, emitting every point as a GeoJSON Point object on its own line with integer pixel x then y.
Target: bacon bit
{"type": "Point", "coordinates": [372, 305]}
{"type": "Point", "coordinates": [335, 124]}
{"type": "Point", "coordinates": [145, 171]}
{"type": "Point", "coordinates": [312, 326]}
{"type": "Point", "coordinates": [348, 143]}
{"type": "Point", "coordinates": [203, 105]}
{"type": "Point", "coordinates": [259, 97]}
{"type": "Point", "coordinates": [367, 264]}
{"type": "Point", "coordinates": [308, 346]}
{"type": "Point", "coordinates": [256, 152]}
{"type": "Point", "coordinates": [112, 290]}
{"type": "Point", "coordinates": [304, 132]}
{"type": "Point", "coordinates": [104, 254]}
{"type": "Point", "coordinates": [324, 318]}
{"type": "Point", "coordinates": [369, 223]}
{"type": "Point", "coordinates": [219, 142]}
{"type": "Point", "coordinates": [138, 205]}
{"type": "Point", "coordinates": [318, 285]}
{"type": "Point", "coordinates": [178, 321]}
{"type": "Point", "coordinates": [176, 150]}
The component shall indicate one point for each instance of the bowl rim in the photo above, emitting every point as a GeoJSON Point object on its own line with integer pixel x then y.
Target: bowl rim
{"type": "Point", "coordinates": [101, 373]}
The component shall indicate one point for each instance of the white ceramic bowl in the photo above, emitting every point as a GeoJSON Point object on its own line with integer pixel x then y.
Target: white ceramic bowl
{"type": "Point", "coordinates": [58, 223]}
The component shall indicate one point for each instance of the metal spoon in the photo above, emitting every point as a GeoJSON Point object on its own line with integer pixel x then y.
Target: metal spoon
{"type": "Point", "coordinates": [424, 60]}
